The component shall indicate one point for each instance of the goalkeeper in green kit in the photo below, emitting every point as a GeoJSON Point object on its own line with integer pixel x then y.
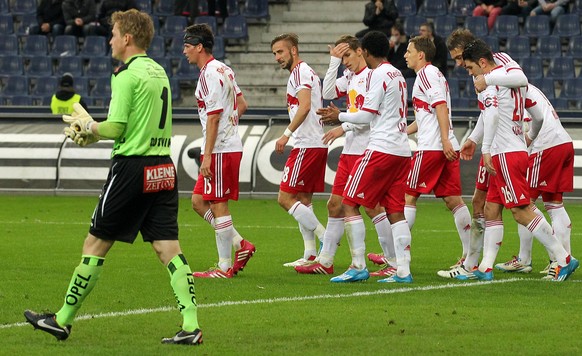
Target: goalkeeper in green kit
{"type": "Point", "coordinates": [140, 194]}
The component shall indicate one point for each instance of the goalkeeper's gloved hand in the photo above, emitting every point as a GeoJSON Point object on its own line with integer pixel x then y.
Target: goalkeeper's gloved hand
{"type": "Point", "coordinates": [79, 120]}
{"type": "Point", "coordinates": [80, 138]}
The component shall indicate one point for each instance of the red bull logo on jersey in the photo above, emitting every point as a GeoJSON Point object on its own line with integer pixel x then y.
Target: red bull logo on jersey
{"type": "Point", "coordinates": [292, 101]}
{"type": "Point", "coordinates": [158, 178]}
{"type": "Point", "coordinates": [418, 105]}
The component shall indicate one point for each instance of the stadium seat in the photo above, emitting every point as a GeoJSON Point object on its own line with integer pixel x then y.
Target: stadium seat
{"type": "Point", "coordinates": [23, 7]}
{"type": "Point", "coordinates": [73, 65]}
{"type": "Point", "coordinates": [176, 48]}
{"type": "Point", "coordinates": [175, 88]}
{"type": "Point", "coordinates": [186, 72]}
{"type": "Point", "coordinates": [575, 47]}
{"type": "Point", "coordinates": [577, 8]}
{"type": "Point", "coordinates": [144, 5]}
{"type": "Point", "coordinates": [560, 103]}
{"type": "Point", "coordinates": [572, 89]}
{"type": "Point", "coordinates": [433, 8]}
{"type": "Point", "coordinates": [493, 42]}
{"type": "Point", "coordinates": [164, 8]}
{"type": "Point", "coordinates": [518, 47]}
{"type": "Point", "coordinates": [445, 24]}
{"type": "Point", "coordinates": [22, 27]}
{"type": "Point", "coordinates": [459, 72]}
{"type": "Point", "coordinates": [454, 87]}
{"type": "Point", "coordinates": [102, 89]}
{"type": "Point", "coordinates": [546, 85]}
{"type": "Point", "coordinates": [157, 48]}
{"type": "Point", "coordinates": [156, 21]}
{"type": "Point", "coordinates": [8, 45]}
{"type": "Point", "coordinates": [166, 63]}
{"type": "Point", "coordinates": [409, 87]}
{"type": "Point", "coordinates": [533, 67]}
{"type": "Point", "coordinates": [412, 24]}
{"type": "Point", "coordinates": [210, 20]}
{"type": "Point", "coordinates": [6, 24]}
{"type": "Point", "coordinates": [4, 8]}
{"type": "Point", "coordinates": [561, 68]}
{"type": "Point", "coordinates": [81, 85]}
{"type": "Point", "coordinates": [548, 47]}
{"type": "Point", "coordinates": [536, 26]}
{"type": "Point", "coordinates": [11, 65]}
{"type": "Point", "coordinates": [35, 45]}
{"type": "Point", "coordinates": [15, 85]}
{"type": "Point", "coordinates": [39, 67]}
{"type": "Point", "coordinates": [44, 86]}
{"type": "Point", "coordinates": [235, 29]}
{"type": "Point", "coordinates": [218, 50]}
{"type": "Point", "coordinates": [567, 25]}
{"type": "Point", "coordinates": [406, 8]}
{"type": "Point", "coordinates": [99, 67]}
{"type": "Point", "coordinates": [94, 46]}
{"type": "Point", "coordinates": [64, 45]}
{"type": "Point", "coordinates": [19, 100]}
{"type": "Point", "coordinates": [256, 11]}
{"type": "Point", "coordinates": [232, 7]}
{"type": "Point", "coordinates": [469, 91]}
{"type": "Point", "coordinates": [461, 8]}
{"type": "Point", "coordinates": [506, 26]}
{"type": "Point", "coordinates": [477, 25]}
{"type": "Point", "coordinates": [173, 25]}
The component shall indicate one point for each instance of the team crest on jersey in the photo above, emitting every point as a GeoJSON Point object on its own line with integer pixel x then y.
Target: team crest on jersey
{"type": "Point", "coordinates": [220, 70]}
{"type": "Point", "coordinates": [491, 101]}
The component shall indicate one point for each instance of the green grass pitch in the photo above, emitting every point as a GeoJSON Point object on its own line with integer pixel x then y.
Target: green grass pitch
{"type": "Point", "coordinates": [270, 309]}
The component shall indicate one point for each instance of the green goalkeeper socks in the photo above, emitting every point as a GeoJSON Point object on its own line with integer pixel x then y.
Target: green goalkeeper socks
{"type": "Point", "coordinates": [183, 284]}
{"type": "Point", "coordinates": [84, 279]}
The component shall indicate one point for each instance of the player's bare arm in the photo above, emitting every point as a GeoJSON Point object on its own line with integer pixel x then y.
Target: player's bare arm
{"type": "Point", "coordinates": [241, 105]}
{"type": "Point", "coordinates": [304, 97]}
{"type": "Point", "coordinates": [330, 136]}
{"type": "Point", "coordinates": [442, 113]}
{"type": "Point", "coordinates": [412, 128]}
{"type": "Point", "coordinates": [468, 150]}
{"type": "Point", "coordinates": [488, 164]}
{"type": "Point", "coordinates": [211, 133]}
{"type": "Point", "coordinates": [329, 115]}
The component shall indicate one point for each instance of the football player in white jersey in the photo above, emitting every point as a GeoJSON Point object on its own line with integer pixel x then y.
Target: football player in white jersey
{"type": "Point", "coordinates": [352, 85]}
{"type": "Point", "coordinates": [220, 105]}
{"type": "Point", "coordinates": [505, 158]}
{"type": "Point", "coordinates": [435, 166]}
{"type": "Point", "coordinates": [387, 156]}
{"type": "Point", "coordinates": [304, 170]}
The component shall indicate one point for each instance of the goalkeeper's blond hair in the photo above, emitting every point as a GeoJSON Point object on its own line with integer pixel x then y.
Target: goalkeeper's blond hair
{"type": "Point", "coordinates": [136, 23]}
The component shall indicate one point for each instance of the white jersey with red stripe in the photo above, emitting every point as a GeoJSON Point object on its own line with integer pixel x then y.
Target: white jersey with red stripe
{"type": "Point", "coordinates": [386, 100]}
{"type": "Point", "coordinates": [216, 93]}
{"type": "Point", "coordinates": [353, 86]}
{"type": "Point", "coordinates": [503, 113]}
{"type": "Point", "coordinates": [430, 90]}
{"type": "Point", "coordinates": [552, 133]}
{"type": "Point", "coordinates": [309, 134]}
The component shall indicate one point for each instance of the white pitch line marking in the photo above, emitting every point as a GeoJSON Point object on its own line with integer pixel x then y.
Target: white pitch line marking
{"type": "Point", "coordinates": [293, 299]}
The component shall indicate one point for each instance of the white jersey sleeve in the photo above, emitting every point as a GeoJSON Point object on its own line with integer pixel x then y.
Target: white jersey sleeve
{"type": "Point", "coordinates": [512, 77]}
{"type": "Point", "coordinates": [331, 90]}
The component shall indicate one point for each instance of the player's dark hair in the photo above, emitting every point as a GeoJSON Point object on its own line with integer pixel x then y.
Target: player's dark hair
{"type": "Point", "coordinates": [425, 45]}
{"type": "Point", "coordinates": [200, 33]}
{"type": "Point", "coordinates": [399, 27]}
{"type": "Point", "coordinates": [459, 38]}
{"type": "Point", "coordinates": [476, 50]}
{"type": "Point", "coordinates": [376, 43]}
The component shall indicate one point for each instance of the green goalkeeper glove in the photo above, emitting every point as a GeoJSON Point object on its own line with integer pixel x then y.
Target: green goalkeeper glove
{"type": "Point", "coordinates": [79, 120]}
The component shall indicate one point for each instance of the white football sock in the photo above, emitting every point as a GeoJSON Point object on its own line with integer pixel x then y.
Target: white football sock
{"type": "Point", "coordinates": [236, 240]}
{"type": "Point", "coordinates": [410, 215]}
{"type": "Point", "coordinates": [476, 243]}
{"type": "Point", "coordinates": [356, 236]}
{"type": "Point", "coordinates": [561, 223]}
{"type": "Point", "coordinates": [385, 237]}
{"type": "Point", "coordinates": [491, 242]}
{"type": "Point", "coordinates": [402, 241]}
{"type": "Point", "coordinates": [463, 224]}
{"type": "Point", "coordinates": [331, 239]}
{"type": "Point", "coordinates": [224, 233]}
{"type": "Point", "coordinates": [305, 216]}
{"type": "Point", "coordinates": [542, 231]}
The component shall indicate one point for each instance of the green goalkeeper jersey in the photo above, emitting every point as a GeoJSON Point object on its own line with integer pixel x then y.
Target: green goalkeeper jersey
{"type": "Point", "coordinates": [141, 100]}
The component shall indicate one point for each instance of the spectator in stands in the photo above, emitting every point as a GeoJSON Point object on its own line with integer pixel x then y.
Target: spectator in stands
{"type": "Point", "coordinates": [63, 100]}
{"type": "Point", "coordinates": [398, 44]}
{"type": "Point", "coordinates": [521, 8]}
{"type": "Point", "coordinates": [187, 8]}
{"type": "Point", "coordinates": [102, 26]}
{"type": "Point", "coordinates": [78, 16]}
{"type": "Point", "coordinates": [552, 8]}
{"type": "Point", "coordinates": [489, 8]}
{"type": "Point", "coordinates": [221, 8]}
{"type": "Point", "coordinates": [440, 58]}
{"type": "Point", "coordinates": [379, 15]}
{"type": "Point", "coordinates": [49, 15]}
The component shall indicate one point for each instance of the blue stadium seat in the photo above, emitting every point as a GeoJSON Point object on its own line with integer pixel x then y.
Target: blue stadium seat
{"type": "Point", "coordinates": [572, 89]}
{"type": "Point", "coordinates": [546, 85]}
{"type": "Point", "coordinates": [11, 65]}
{"type": "Point", "coordinates": [477, 25]}
{"type": "Point", "coordinates": [561, 68]}
{"type": "Point", "coordinates": [461, 8]}
{"type": "Point", "coordinates": [19, 100]}
{"type": "Point", "coordinates": [63, 46]}
{"type": "Point", "coordinates": [176, 48]}
{"type": "Point", "coordinates": [567, 25]}
{"type": "Point", "coordinates": [4, 8]}
{"type": "Point", "coordinates": [39, 67]}
{"type": "Point", "coordinates": [492, 41]}
{"type": "Point", "coordinates": [22, 27]}
{"type": "Point", "coordinates": [445, 24]}
{"type": "Point", "coordinates": [409, 87]}
{"type": "Point", "coordinates": [175, 88]}
{"type": "Point", "coordinates": [548, 46]}
{"type": "Point", "coordinates": [412, 24]}
{"type": "Point", "coordinates": [174, 25]}
{"type": "Point", "coordinates": [8, 45]}
{"type": "Point", "coordinates": [144, 5]}
{"type": "Point", "coordinates": [102, 89]}
{"type": "Point", "coordinates": [235, 29]}
{"type": "Point", "coordinates": [157, 48]}
{"type": "Point", "coordinates": [257, 11]}
{"type": "Point", "coordinates": [533, 67]}
{"type": "Point", "coordinates": [94, 46]}
{"type": "Point", "coordinates": [210, 20]}
{"type": "Point", "coordinates": [575, 47]}
{"type": "Point", "coordinates": [23, 7]}
{"type": "Point", "coordinates": [164, 8]}
{"type": "Point", "coordinates": [81, 85]}
{"type": "Point", "coordinates": [34, 45]}
{"type": "Point", "coordinates": [518, 47]}
{"type": "Point", "coordinates": [577, 8]}
{"type": "Point", "coordinates": [73, 65]}
{"type": "Point", "coordinates": [459, 72]}
{"type": "Point", "coordinates": [6, 24]}
{"type": "Point", "coordinates": [506, 26]}
{"type": "Point", "coordinates": [156, 21]}
{"type": "Point", "coordinates": [454, 88]}
{"type": "Point", "coordinates": [406, 8]}
{"type": "Point", "coordinates": [433, 8]}
{"type": "Point", "coordinates": [536, 26]}
{"type": "Point", "coordinates": [469, 91]}
{"type": "Point", "coordinates": [15, 85]}
{"type": "Point", "coordinates": [98, 67]}
{"type": "Point", "coordinates": [44, 86]}
{"type": "Point", "coordinates": [560, 104]}
{"type": "Point", "coordinates": [186, 72]}
{"type": "Point", "coordinates": [232, 7]}
{"type": "Point", "coordinates": [166, 63]}
{"type": "Point", "coordinates": [464, 103]}
{"type": "Point", "coordinates": [218, 50]}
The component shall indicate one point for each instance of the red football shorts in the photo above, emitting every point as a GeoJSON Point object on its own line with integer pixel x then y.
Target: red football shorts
{"type": "Point", "coordinates": [304, 171]}
{"type": "Point", "coordinates": [223, 185]}
{"type": "Point", "coordinates": [430, 171]}
{"type": "Point", "coordinates": [509, 186]}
